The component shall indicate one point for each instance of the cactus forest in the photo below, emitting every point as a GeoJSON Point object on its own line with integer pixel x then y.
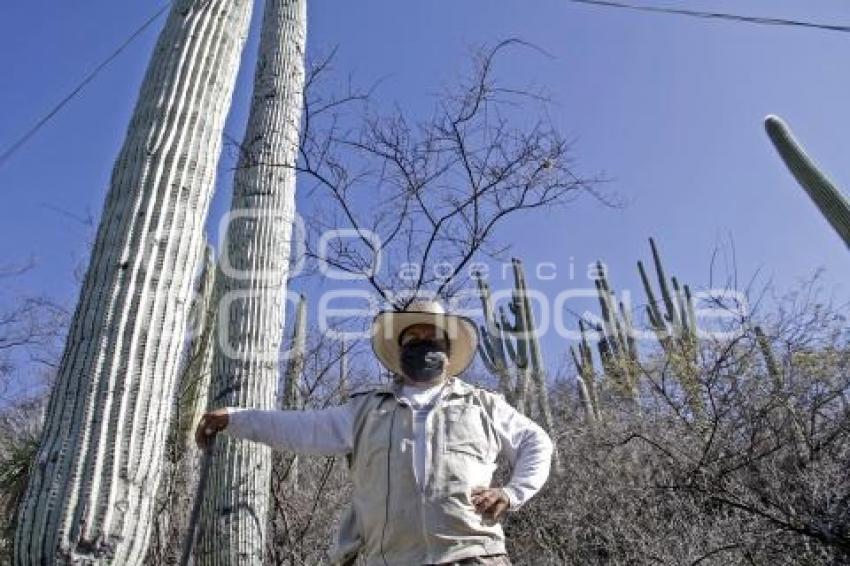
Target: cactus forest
{"type": "Point", "coordinates": [694, 387]}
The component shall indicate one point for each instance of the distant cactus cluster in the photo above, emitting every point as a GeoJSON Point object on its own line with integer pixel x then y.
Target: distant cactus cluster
{"type": "Point", "coordinates": [616, 345]}
{"type": "Point", "coordinates": [669, 311]}
{"type": "Point", "coordinates": [675, 326]}
{"type": "Point", "coordinates": [673, 321]}
{"type": "Point", "coordinates": [510, 347]}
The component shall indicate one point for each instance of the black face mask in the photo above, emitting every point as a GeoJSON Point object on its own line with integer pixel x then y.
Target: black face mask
{"type": "Point", "coordinates": [423, 360]}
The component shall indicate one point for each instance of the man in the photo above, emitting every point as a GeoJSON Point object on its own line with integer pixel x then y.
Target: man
{"type": "Point", "coordinates": [422, 451]}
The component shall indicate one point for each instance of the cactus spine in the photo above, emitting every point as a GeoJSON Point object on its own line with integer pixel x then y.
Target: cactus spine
{"type": "Point", "coordinates": [826, 196]}
{"type": "Point", "coordinates": [256, 255]}
{"type": "Point", "coordinates": [92, 490]}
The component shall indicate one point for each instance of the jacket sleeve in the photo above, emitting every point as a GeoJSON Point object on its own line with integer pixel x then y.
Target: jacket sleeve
{"type": "Point", "coordinates": [322, 432]}
{"type": "Point", "coordinates": [527, 448]}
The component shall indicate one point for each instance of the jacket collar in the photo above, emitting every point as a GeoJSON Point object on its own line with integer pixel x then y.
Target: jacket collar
{"type": "Point", "coordinates": [455, 387]}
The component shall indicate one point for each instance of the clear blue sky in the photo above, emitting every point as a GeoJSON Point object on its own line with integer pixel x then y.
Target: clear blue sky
{"type": "Point", "coordinates": [670, 108]}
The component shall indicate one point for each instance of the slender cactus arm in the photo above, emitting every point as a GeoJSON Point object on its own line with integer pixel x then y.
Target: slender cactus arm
{"type": "Point", "coordinates": [825, 194]}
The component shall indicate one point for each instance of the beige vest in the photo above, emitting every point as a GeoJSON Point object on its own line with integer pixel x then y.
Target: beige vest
{"type": "Point", "coordinates": [390, 520]}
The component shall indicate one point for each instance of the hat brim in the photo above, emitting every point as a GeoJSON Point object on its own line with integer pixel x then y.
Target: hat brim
{"type": "Point", "coordinates": [461, 331]}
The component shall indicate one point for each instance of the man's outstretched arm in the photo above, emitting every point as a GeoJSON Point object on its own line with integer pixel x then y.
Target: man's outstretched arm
{"type": "Point", "coordinates": [320, 432]}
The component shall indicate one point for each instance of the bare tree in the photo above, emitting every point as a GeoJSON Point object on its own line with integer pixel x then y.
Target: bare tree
{"type": "Point", "coordinates": [423, 198]}
{"type": "Point", "coordinates": [31, 331]}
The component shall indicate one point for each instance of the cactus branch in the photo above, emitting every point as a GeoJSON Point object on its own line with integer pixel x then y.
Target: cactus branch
{"type": "Point", "coordinates": [823, 192]}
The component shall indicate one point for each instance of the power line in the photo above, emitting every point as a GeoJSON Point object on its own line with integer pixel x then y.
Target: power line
{"type": "Point", "coordinates": [715, 15]}
{"type": "Point", "coordinates": [12, 149]}
{"type": "Point", "coordinates": [20, 142]}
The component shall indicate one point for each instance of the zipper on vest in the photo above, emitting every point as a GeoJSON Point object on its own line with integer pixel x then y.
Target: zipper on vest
{"type": "Point", "coordinates": [428, 479]}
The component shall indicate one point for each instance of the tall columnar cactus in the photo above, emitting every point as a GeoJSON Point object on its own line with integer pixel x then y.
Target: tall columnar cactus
{"type": "Point", "coordinates": [774, 371]}
{"type": "Point", "coordinates": [583, 360]}
{"type": "Point", "coordinates": [503, 350]}
{"type": "Point", "coordinates": [518, 341]}
{"type": "Point", "coordinates": [252, 280]}
{"type": "Point", "coordinates": [524, 315]}
{"type": "Point", "coordinates": [297, 354]}
{"type": "Point", "coordinates": [195, 381]}
{"type": "Point", "coordinates": [826, 196]}
{"type": "Point", "coordinates": [617, 348]}
{"type": "Point", "coordinates": [770, 362]}
{"type": "Point", "coordinates": [496, 348]}
{"type": "Point", "coordinates": [293, 375]}
{"type": "Point", "coordinates": [675, 327]}
{"type": "Point", "coordinates": [92, 489]}
{"type": "Point", "coordinates": [526, 328]}
{"type": "Point", "coordinates": [183, 458]}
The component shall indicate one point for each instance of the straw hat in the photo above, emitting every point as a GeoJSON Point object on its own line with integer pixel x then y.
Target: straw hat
{"type": "Point", "coordinates": [460, 330]}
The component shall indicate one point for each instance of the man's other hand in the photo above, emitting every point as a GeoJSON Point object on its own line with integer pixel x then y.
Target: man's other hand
{"type": "Point", "coordinates": [211, 424]}
{"type": "Point", "coordinates": [491, 502]}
